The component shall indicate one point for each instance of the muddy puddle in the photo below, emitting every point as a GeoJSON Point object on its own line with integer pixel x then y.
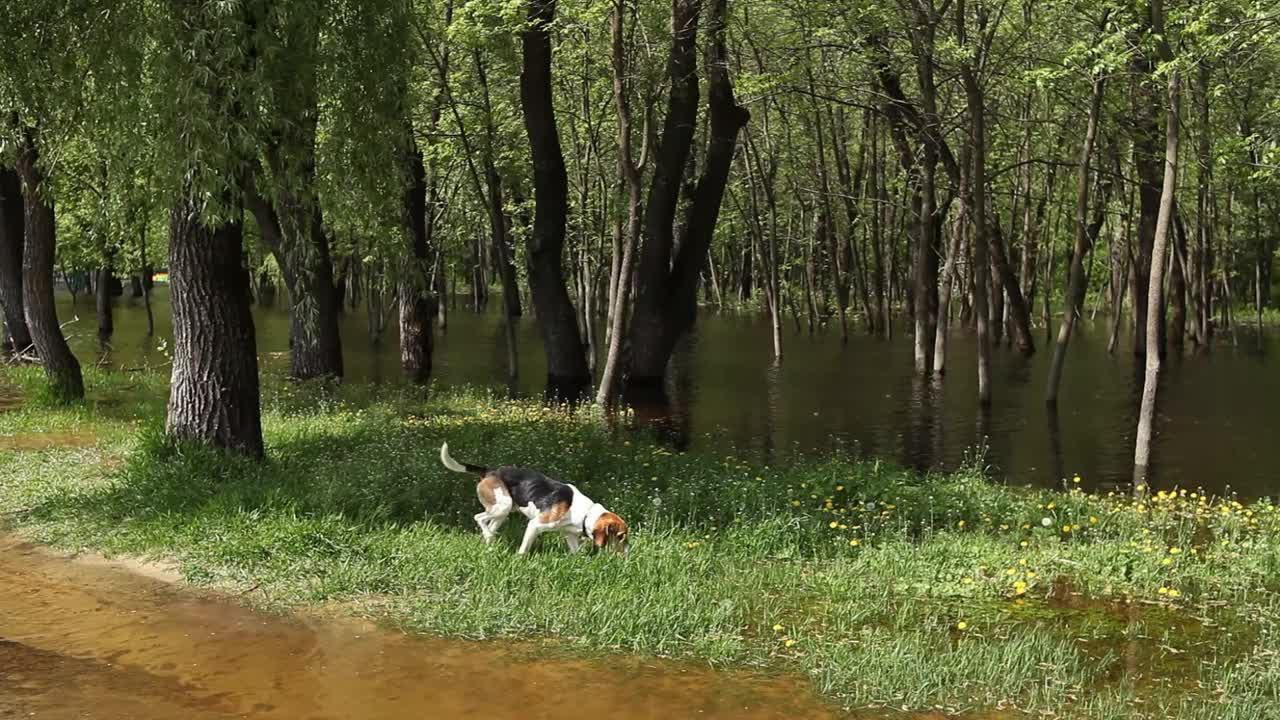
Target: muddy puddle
{"type": "Point", "coordinates": [92, 640]}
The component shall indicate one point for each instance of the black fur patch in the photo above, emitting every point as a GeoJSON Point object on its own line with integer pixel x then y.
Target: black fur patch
{"type": "Point", "coordinates": [530, 486]}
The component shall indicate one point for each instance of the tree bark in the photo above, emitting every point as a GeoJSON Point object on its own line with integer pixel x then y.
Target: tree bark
{"type": "Point", "coordinates": [17, 338]}
{"type": "Point", "coordinates": [1155, 289]}
{"type": "Point", "coordinates": [414, 287]}
{"type": "Point", "coordinates": [978, 191]}
{"type": "Point", "coordinates": [567, 373]}
{"type": "Point", "coordinates": [1147, 164]}
{"type": "Point", "coordinates": [106, 321]}
{"type": "Point", "coordinates": [666, 309]}
{"type": "Point", "coordinates": [213, 391]}
{"type": "Point", "coordinates": [1083, 241]}
{"type": "Point", "coordinates": [39, 249]}
{"type": "Point", "coordinates": [624, 248]}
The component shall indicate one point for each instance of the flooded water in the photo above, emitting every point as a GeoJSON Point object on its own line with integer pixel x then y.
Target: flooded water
{"type": "Point", "coordinates": [1217, 409]}
{"type": "Point", "coordinates": [92, 641]}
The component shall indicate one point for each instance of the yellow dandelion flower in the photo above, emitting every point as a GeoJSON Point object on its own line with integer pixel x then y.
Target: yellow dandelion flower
{"type": "Point", "coordinates": [1175, 550]}
{"type": "Point", "coordinates": [855, 542]}
{"type": "Point", "coordinates": [839, 488]}
{"type": "Point", "coordinates": [1024, 543]}
{"type": "Point", "coordinates": [1166, 561]}
{"type": "Point", "coordinates": [795, 503]}
{"type": "Point", "coordinates": [967, 581]}
{"type": "Point", "coordinates": [960, 524]}
{"type": "Point", "coordinates": [1076, 479]}
{"type": "Point", "coordinates": [777, 628]}
{"type": "Point", "coordinates": [1093, 520]}
{"type": "Point", "coordinates": [789, 642]}
{"type": "Point", "coordinates": [962, 625]}
{"type": "Point", "coordinates": [1019, 587]}
{"type": "Point", "coordinates": [1163, 591]}
{"type": "Point", "coordinates": [1066, 528]}
{"type": "Point", "coordinates": [1174, 593]}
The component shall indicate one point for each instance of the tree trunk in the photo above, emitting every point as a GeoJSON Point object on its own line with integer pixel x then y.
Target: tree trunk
{"type": "Point", "coordinates": [147, 282]}
{"type": "Point", "coordinates": [1178, 282]}
{"type": "Point", "coordinates": [1155, 290]}
{"type": "Point", "coordinates": [567, 373]}
{"type": "Point", "coordinates": [39, 249]}
{"type": "Point", "coordinates": [213, 391]}
{"type": "Point", "coordinates": [978, 192]}
{"type": "Point", "coordinates": [106, 323]}
{"type": "Point", "coordinates": [1083, 241]}
{"type": "Point", "coordinates": [414, 287]}
{"type": "Point", "coordinates": [17, 338]}
{"type": "Point", "coordinates": [624, 246]}
{"type": "Point", "coordinates": [1147, 163]}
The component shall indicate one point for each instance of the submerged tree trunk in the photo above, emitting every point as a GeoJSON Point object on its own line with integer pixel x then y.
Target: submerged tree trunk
{"type": "Point", "coordinates": [567, 372]}
{"type": "Point", "coordinates": [17, 338]}
{"type": "Point", "coordinates": [39, 249]}
{"type": "Point", "coordinates": [1155, 291]}
{"type": "Point", "coordinates": [1083, 241]}
{"type": "Point", "coordinates": [213, 392]}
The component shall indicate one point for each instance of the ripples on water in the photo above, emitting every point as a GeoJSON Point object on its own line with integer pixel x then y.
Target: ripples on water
{"type": "Point", "coordinates": [1216, 424]}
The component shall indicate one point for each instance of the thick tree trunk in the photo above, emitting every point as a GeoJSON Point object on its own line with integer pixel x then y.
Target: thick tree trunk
{"type": "Point", "coordinates": [17, 338]}
{"type": "Point", "coordinates": [1083, 241]}
{"type": "Point", "coordinates": [667, 310]}
{"type": "Point", "coordinates": [567, 373]}
{"type": "Point", "coordinates": [413, 289]}
{"type": "Point", "coordinates": [1155, 290]}
{"type": "Point", "coordinates": [39, 249]}
{"type": "Point", "coordinates": [648, 328]}
{"type": "Point", "coordinates": [213, 392]}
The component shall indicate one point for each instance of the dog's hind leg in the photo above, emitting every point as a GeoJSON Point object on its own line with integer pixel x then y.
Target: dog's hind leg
{"type": "Point", "coordinates": [486, 530]}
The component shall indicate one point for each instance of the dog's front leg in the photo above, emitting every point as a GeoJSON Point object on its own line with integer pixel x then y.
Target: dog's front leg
{"type": "Point", "coordinates": [575, 542]}
{"type": "Point", "coordinates": [531, 533]}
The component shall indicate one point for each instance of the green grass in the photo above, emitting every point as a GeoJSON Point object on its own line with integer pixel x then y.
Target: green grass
{"type": "Point", "coordinates": [947, 591]}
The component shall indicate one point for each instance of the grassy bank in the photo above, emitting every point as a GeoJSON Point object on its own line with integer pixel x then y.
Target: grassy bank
{"type": "Point", "coordinates": [881, 586]}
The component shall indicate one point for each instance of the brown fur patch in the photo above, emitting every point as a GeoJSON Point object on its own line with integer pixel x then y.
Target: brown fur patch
{"type": "Point", "coordinates": [487, 490]}
{"type": "Point", "coordinates": [554, 513]}
{"type": "Point", "coordinates": [609, 531]}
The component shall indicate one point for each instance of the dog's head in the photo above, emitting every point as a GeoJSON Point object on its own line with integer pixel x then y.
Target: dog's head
{"type": "Point", "coordinates": [610, 532]}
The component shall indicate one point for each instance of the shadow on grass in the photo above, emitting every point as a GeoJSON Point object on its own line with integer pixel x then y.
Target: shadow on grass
{"type": "Point", "coordinates": [368, 469]}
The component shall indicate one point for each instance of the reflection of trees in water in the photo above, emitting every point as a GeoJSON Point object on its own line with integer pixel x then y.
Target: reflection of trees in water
{"type": "Point", "coordinates": [664, 410]}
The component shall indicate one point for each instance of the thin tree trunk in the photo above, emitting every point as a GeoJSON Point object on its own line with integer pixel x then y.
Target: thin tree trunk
{"type": "Point", "coordinates": [1155, 314]}
{"type": "Point", "coordinates": [39, 249]}
{"type": "Point", "coordinates": [106, 321]}
{"type": "Point", "coordinates": [1084, 239]}
{"type": "Point", "coordinates": [978, 191]}
{"type": "Point", "coordinates": [624, 247]}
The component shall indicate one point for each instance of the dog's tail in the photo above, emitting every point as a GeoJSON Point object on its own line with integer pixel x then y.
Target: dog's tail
{"type": "Point", "coordinates": [458, 467]}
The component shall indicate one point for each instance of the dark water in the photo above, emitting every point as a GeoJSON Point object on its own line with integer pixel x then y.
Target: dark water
{"type": "Point", "coordinates": [1219, 410]}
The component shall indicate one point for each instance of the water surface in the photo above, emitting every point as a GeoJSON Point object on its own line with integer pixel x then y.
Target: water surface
{"type": "Point", "coordinates": [88, 640]}
{"type": "Point", "coordinates": [1217, 422]}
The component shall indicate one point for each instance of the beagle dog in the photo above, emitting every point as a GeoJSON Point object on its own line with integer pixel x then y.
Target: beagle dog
{"type": "Point", "coordinates": [550, 506]}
